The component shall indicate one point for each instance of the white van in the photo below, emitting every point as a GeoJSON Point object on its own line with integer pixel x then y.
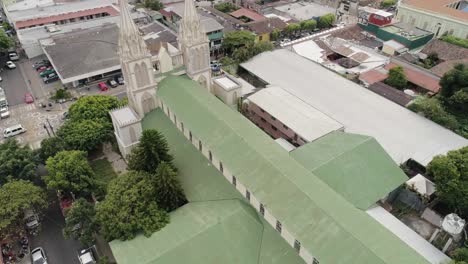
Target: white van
{"type": "Point", "coordinates": [13, 131]}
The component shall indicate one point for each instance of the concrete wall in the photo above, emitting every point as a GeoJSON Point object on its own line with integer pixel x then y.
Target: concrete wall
{"type": "Point", "coordinates": [272, 126]}
{"type": "Point", "coordinates": [218, 164]}
{"type": "Point", "coordinates": [432, 22]}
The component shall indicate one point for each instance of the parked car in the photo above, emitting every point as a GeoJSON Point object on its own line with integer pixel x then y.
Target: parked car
{"type": "Point", "coordinates": [28, 98]}
{"type": "Point", "coordinates": [47, 72]}
{"type": "Point", "coordinates": [41, 63]}
{"type": "Point", "coordinates": [119, 79]}
{"type": "Point", "coordinates": [102, 86]}
{"type": "Point", "coordinates": [86, 256]}
{"type": "Point", "coordinates": [13, 131]}
{"type": "Point", "coordinates": [1, 79]}
{"type": "Point", "coordinates": [53, 77]}
{"type": "Point", "coordinates": [13, 56]}
{"type": "Point", "coordinates": [215, 66]}
{"type": "Point", "coordinates": [43, 68]}
{"type": "Point", "coordinates": [112, 83]}
{"type": "Point", "coordinates": [38, 256]}
{"type": "Point", "coordinates": [10, 65]}
{"type": "Point", "coordinates": [65, 115]}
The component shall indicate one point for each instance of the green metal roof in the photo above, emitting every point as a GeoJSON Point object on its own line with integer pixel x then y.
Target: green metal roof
{"type": "Point", "coordinates": [202, 182]}
{"type": "Point", "coordinates": [327, 225]}
{"type": "Point", "coordinates": [355, 166]}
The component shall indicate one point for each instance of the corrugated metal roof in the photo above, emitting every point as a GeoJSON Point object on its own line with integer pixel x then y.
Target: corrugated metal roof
{"type": "Point", "coordinates": [348, 162]}
{"type": "Point", "coordinates": [323, 221]}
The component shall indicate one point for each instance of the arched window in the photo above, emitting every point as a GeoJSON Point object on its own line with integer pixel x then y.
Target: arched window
{"type": "Point", "coordinates": [182, 127]}
{"type": "Point", "coordinates": [200, 146]}
{"type": "Point", "coordinates": [190, 136]}
{"type": "Point", "coordinates": [147, 102]}
{"type": "Point", "coordinates": [221, 167]}
{"type": "Point", "coordinates": [210, 155]}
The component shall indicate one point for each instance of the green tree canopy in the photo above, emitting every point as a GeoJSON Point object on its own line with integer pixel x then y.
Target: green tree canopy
{"type": "Point", "coordinates": [460, 255]}
{"type": "Point", "coordinates": [50, 147]}
{"type": "Point", "coordinates": [292, 28]}
{"type": "Point", "coordinates": [16, 197]}
{"type": "Point", "coordinates": [454, 88]}
{"type": "Point", "coordinates": [130, 207]}
{"type": "Point", "coordinates": [432, 109]}
{"type": "Point", "coordinates": [170, 194]}
{"type": "Point", "coordinates": [245, 53]}
{"type": "Point", "coordinates": [388, 3]}
{"type": "Point", "coordinates": [69, 171]}
{"type": "Point", "coordinates": [93, 107]}
{"type": "Point", "coordinates": [16, 162]}
{"type": "Point", "coordinates": [451, 177]}
{"type": "Point", "coordinates": [150, 152]}
{"type": "Point", "coordinates": [153, 5]}
{"type": "Point", "coordinates": [226, 7]}
{"type": "Point", "coordinates": [5, 41]}
{"type": "Point", "coordinates": [275, 34]}
{"type": "Point", "coordinates": [85, 135]}
{"type": "Point", "coordinates": [308, 25]}
{"type": "Point", "coordinates": [6, 26]}
{"type": "Point", "coordinates": [237, 39]}
{"type": "Point", "coordinates": [397, 78]}
{"type": "Point", "coordinates": [80, 222]}
{"type": "Point", "coordinates": [326, 20]}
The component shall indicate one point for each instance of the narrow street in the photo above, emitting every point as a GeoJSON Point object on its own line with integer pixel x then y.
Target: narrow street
{"type": "Point", "coordinates": [58, 249]}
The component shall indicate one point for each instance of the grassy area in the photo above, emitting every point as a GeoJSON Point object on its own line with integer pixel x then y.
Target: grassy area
{"type": "Point", "coordinates": [104, 173]}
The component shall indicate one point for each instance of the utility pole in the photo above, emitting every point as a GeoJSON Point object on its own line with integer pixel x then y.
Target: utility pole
{"type": "Point", "coordinates": [51, 128]}
{"type": "Point", "coordinates": [45, 127]}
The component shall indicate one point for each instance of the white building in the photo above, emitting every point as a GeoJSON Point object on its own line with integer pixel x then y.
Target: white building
{"type": "Point", "coordinates": [437, 16]}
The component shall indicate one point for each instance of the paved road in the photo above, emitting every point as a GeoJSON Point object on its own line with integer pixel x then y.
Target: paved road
{"type": "Point", "coordinates": [14, 85]}
{"type": "Point", "coordinates": [58, 249]}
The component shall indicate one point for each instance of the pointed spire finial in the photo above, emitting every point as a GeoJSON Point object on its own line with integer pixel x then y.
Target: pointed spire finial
{"type": "Point", "coordinates": [191, 30]}
{"type": "Point", "coordinates": [131, 44]}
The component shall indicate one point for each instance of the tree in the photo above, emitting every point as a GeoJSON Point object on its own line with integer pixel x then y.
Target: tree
{"type": "Point", "coordinates": [388, 3]}
{"type": "Point", "coordinates": [130, 207]}
{"type": "Point", "coordinates": [432, 109]}
{"type": "Point", "coordinates": [226, 7]}
{"type": "Point", "coordinates": [308, 25]}
{"type": "Point", "coordinates": [150, 152]}
{"type": "Point", "coordinates": [155, 5]}
{"type": "Point", "coordinates": [451, 177]}
{"type": "Point", "coordinates": [292, 28]}
{"type": "Point", "coordinates": [397, 78]}
{"type": "Point", "coordinates": [237, 39]}
{"type": "Point", "coordinates": [94, 107]}
{"type": "Point", "coordinates": [275, 34]}
{"type": "Point", "coordinates": [326, 20]}
{"type": "Point", "coordinates": [460, 254]}
{"type": "Point", "coordinates": [69, 171]}
{"type": "Point", "coordinates": [50, 147]}
{"type": "Point", "coordinates": [18, 196]}
{"type": "Point", "coordinates": [5, 41]}
{"type": "Point", "coordinates": [16, 162]}
{"type": "Point", "coordinates": [6, 26]}
{"type": "Point", "coordinates": [80, 222]}
{"type": "Point", "coordinates": [170, 194]}
{"type": "Point", "coordinates": [454, 88]}
{"type": "Point", "coordinates": [85, 135]}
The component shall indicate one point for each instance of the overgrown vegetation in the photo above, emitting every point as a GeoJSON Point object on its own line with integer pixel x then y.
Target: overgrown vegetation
{"type": "Point", "coordinates": [326, 21]}
{"type": "Point", "coordinates": [450, 107]}
{"type": "Point", "coordinates": [397, 78]}
{"type": "Point", "coordinates": [455, 41]}
{"type": "Point", "coordinates": [153, 5]}
{"type": "Point", "coordinates": [387, 3]}
{"type": "Point", "coordinates": [226, 7]}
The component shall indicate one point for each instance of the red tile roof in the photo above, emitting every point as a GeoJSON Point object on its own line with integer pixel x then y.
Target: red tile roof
{"type": "Point", "coordinates": [51, 19]}
{"type": "Point", "coordinates": [372, 76]}
{"type": "Point", "coordinates": [418, 77]}
{"type": "Point", "coordinates": [244, 12]}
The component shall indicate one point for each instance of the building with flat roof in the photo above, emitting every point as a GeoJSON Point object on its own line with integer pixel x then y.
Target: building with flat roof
{"type": "Point", "coordinates": [437, 16]}
{"type": "Point", "coordinates": [282, 115]}
{"type": "Point", "coordinates": [303, 10]}
{"type": "Point", "coordinates": [402, 133]}
{"type": "Point", "coordinates": [62, 13]}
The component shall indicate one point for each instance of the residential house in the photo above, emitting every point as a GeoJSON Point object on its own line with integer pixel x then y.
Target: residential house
{"type": "Point", "coordinates": [263, 28]}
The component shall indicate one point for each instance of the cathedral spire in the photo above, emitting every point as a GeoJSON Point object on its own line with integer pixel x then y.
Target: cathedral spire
{"type": "Point", "coordinates": [131, 44]}
{"type": "Point", "coordinates": [190, 29]}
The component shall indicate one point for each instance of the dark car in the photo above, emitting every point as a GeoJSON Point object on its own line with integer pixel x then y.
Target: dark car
{"type": "Point", "coordinates": [119, 79]}
{"type": "Point", "coordinates": [50, 78]}
{"type": "Point", "coordinates": [42, 63]}
{"type": "Point", "coordinates": [112, 83]}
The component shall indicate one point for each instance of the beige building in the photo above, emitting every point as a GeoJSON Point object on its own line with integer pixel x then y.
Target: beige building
{"type": "Point", "coordinates": [438, 16]}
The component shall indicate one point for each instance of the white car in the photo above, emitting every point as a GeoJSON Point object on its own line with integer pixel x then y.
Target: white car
{"type": "Point", "coordinates": [38, 256]}
{"type": "Point", "coordinates": [1, 79]}
{"type": "Point", "coordinates": [86, 256]}
{"type": "Point", "coordinates": [13, 56]}
{"type": "Point", "coordinates": [10, 65]}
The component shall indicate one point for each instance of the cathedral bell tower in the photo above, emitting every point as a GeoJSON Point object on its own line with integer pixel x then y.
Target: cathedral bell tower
{"type": "Point", "coordinates": [194, 45]}
{"type": "Point", "coordinates": [135, 61]}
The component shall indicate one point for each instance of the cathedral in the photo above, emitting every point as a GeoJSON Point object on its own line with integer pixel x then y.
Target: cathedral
{"type": "Point", "coordinates": [137, 70]}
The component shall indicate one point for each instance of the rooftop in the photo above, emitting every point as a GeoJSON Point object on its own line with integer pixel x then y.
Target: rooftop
{"type": "Point", "coordinates": [406, 30]}
{"type": "Point", "coordinates": [445, 50]}
{"type": "Point", "coordinates": [305, 120]}
{"type": "Point", "coordinates": [438, 7]}
{"type": "Point", "coordinates": [72, 57]}
{"type": "Point", "coordinates": [266, 25]}
{"type": "Point", "coordinates": [391, 93]}
{"type": "Point", "coordinates": [372, 76]}
{"type": "Point", "coordinates": [309, 209]}
{"type": "Point", "coordinates": [226, 83]}
{"type": "Point", "coordinates": [124, 116]}
{"type": "Point", "coordinates": [305, 10]}
{"type": "Point", "coordinates": [347, 162]}
{"type": "Point", "coordinates": [402, 133]}
{"type": "Point", "coordinates": [59, 9]}
{"type": "Point", "coordinates": [443, 67]}
{"type": "Point", "coordinates": [194, 231]}
{"type": "Point", "coordinates": [421, 77]}
{"type": "Point", "coordinates": [244, 12]}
